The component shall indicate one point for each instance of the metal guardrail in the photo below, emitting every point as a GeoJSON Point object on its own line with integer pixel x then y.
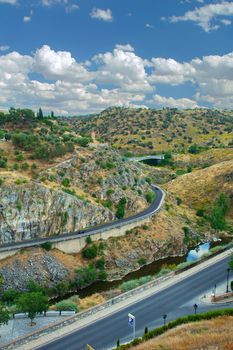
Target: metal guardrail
{"type": "Point", "coordinates": [147, 213]}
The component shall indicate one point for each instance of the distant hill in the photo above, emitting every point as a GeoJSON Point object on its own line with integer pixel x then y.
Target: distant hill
{"type": "Point", "coordinates": [148, 131]}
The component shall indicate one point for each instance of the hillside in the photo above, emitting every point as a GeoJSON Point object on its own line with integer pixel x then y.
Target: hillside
{"type": "Point", "coordinates": [215, 334]}
{"type": "Point", "coordinates": [53, 180]}
{"type": "Point", "coordinates": [142, 131]}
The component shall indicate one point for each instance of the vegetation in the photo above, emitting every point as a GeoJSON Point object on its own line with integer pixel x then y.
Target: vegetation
{"type": "Point", "coordinates": [32, 303]}
{"type": "Point", "coordinates": [4, 314]}
{"type": "Point", "coordinates": [120, 213]}
{"type": "Point", "coordinates": [218, 212]}
{"type": "Point", "coordinates": [179, 321]}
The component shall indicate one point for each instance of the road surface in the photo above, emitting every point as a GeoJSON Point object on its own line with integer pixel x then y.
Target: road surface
{"type": "Point", "coordinates": [175, 301]}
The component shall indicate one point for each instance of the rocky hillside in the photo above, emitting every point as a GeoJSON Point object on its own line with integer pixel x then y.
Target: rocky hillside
{"type": "Point", "coordinates": [54, 181]}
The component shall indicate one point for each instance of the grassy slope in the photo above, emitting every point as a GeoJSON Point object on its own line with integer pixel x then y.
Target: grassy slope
{"type": "Point", "coordinates": [215, 334]}
{"type": "Point", "coordinates": [143, 131]}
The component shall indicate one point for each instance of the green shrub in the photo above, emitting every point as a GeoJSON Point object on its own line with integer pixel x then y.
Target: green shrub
{"type": "Point", "coordinates": [66, 182]}
{"type": "Point", "coordinates": [120, 213]}
{"type": "Point", "coordinates": [90, 252]}
{"type": "Point", "coordinates": [150, 196]}
{"type": "Point", "coordinates": [142, 261]}
{"type": "Point", "coordinates": [1, 181]}
{"type": "Point", "coordinates": [85, 276]}
{"type": "Point", "coordinates": [66, 305]}
{"type": "Point", "coordinates": [88, 240]}
{"type": "Point", "coordinates": [126, 286]}
{"type": "Point", "coordinates": [25, 166]}
{"type": "Point", "coordinates": [19, 157]}
{"type": "Point", "coordinates": [100, 264]}
{"type": "Point", "coordinates": [47, 245]}
{"type": "Point", "coordinates": [103, 275]}
{"type": "Point", "coordinates": [200, 212]}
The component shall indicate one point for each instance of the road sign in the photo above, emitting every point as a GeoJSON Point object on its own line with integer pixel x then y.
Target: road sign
{"type": "Point", "coordinates": [132, 323]}
{"type": "Point", "coordinates": [131, 320]}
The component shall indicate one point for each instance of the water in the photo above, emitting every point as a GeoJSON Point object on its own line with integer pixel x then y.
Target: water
{"type": "Point", "coordinates": [198, 252]}
{"type": "Point", "coordinates": [151, 269]}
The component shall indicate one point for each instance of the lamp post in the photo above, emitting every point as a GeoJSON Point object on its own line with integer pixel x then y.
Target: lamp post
{"type": "Point", "coordinates": [195, 306]}
{"type": "Point", "coordinates": [228, 272]}
{"type": "Point", "coordinates": [164, 319]}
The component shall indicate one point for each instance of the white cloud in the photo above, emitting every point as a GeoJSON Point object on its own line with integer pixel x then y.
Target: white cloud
{"type": "Point", "coordinates": [12, 2]}
{"type": "Point", "coordinates": [169, 71]}
{"type": "Point", "coordinates": [205, 16]}
{"type": "Point", "coordinates": [120, 77]}
{"type": "Point", "coordinates": [148, 25]}
{"type": "Point", "coordinates": [105, 15]}
{"type": "Point", "coordinates": [124, 68]}
{"type": "Point", "coordinates": [26, 19]}
{"type": "Point", "coordinates": [4, 47]}
{"type": "Point", "coordinates": [72, 8]}
{"type": "Point", "coordinates": [182, 103]}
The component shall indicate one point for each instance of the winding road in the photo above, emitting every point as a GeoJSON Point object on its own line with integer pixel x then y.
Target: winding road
{"type": "Point", "coordinates": [152, 209]}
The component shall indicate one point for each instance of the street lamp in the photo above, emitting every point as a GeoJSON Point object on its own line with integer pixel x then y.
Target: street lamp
{"type": "Point", "coordinates": [195, 306]}
{"type": "Point", "coordinates": [164, 319]}
{"type": "Point", "coordinates": [228, 272]}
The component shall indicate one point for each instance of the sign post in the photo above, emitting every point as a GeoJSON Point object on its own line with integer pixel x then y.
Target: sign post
{"type": "Point", "coordinates": [132, 323]}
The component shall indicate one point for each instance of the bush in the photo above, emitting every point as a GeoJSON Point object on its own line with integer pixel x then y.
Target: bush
{"type": "Point", "coordinates": [88, 240]}
{"type": "Point", "coordinates": [200, 212]}
{"type": "Point", "coordinates": [47, 245]}
{"type": "Point", "coordinates": [1, 181]}
{"type": "Point", "coordinates": [9, 296]}
{"type": "Point", "coordinates": [142, 261]}
{"type": "Point", "coordinates": [100, 264]}
{"type": "Point", "coordinates": [102, 275]}
{"type": "Point", "coordinates": [66, 182]}
{"type": "Point", "coordinates": [150, 196]}
{"type": "Point", "coordinates": [120, 213]}
{"type": "Point", "coordinates": [85, 276]}
{"type": "Point", "coordinates": [66, 305]}
{"type": "Point", "coordinates": [90, 252]}
{"type": "Point", "coordinates": [126, 286]}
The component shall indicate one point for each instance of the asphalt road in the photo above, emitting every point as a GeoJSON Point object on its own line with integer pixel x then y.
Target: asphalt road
{"type": "Point", "coordinates": [175, 301]}
{"type": "Point", "coordinates": [155, 205]}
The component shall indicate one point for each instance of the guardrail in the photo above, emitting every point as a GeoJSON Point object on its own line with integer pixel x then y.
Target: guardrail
{"type": "Point", "coordinates": [147, 213]}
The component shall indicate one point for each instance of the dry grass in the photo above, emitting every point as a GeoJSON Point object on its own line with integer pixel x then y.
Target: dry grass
{"type": "Point", "coordinates": [206, 335]}
{"type": "Point", "coordinates": [91, 301]}
{"type": "Point", "coordinates": [200, 188]}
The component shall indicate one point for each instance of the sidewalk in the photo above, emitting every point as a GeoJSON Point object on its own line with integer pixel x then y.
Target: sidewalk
{"type": "Point", "coordinates": [49, 336]}
{"type": "Point", "coordinates": [218, 292]}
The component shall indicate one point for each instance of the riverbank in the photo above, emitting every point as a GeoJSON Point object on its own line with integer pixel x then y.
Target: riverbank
{"type": "Point", "coordinates": [102, 311]}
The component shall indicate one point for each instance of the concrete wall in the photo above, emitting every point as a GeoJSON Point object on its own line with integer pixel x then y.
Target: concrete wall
{"type": "Point", "coordinates": [77, 244]}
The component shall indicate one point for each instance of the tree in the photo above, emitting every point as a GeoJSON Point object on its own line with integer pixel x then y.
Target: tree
{"type": "Point", "coordinates": [4, 314]}
{"type": "Point", "coordinates": [40, 114]}
{"type": "Point", "coordinates": [32, 303]}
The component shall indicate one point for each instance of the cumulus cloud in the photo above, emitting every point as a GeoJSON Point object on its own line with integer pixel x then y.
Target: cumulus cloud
{"type": "Point", "coordinates": [170, 71]}
{"type": "Point", "coordinates": [182, 103]}
{"type": "Point", "coordinates": [104, 15]}
{"type": "Point", "coordinates": [119, 77]}
{"type": "Point", "coordinates": [124, 68]}
{"type": "Point", "coordinates": [207, 15]}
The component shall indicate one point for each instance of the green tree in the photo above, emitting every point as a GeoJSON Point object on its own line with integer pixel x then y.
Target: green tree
{"type": "Point", "coordinates": [40, 114]}
{"type": "Point", "coordinates": [32, 303]}
{"type": "Point", "coordinates": [4, 314]}
{"type": "Point", "coordinates": [120, 213]}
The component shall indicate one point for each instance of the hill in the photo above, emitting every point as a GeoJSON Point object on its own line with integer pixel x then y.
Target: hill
{"type": "Point", "coordinates": [214, 334]}
{"type": "Point", "coordinates": [142, 131]}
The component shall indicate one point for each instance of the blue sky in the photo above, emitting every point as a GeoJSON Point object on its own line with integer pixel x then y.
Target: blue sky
{"type": "Point", "coordinates": [81, 56]}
